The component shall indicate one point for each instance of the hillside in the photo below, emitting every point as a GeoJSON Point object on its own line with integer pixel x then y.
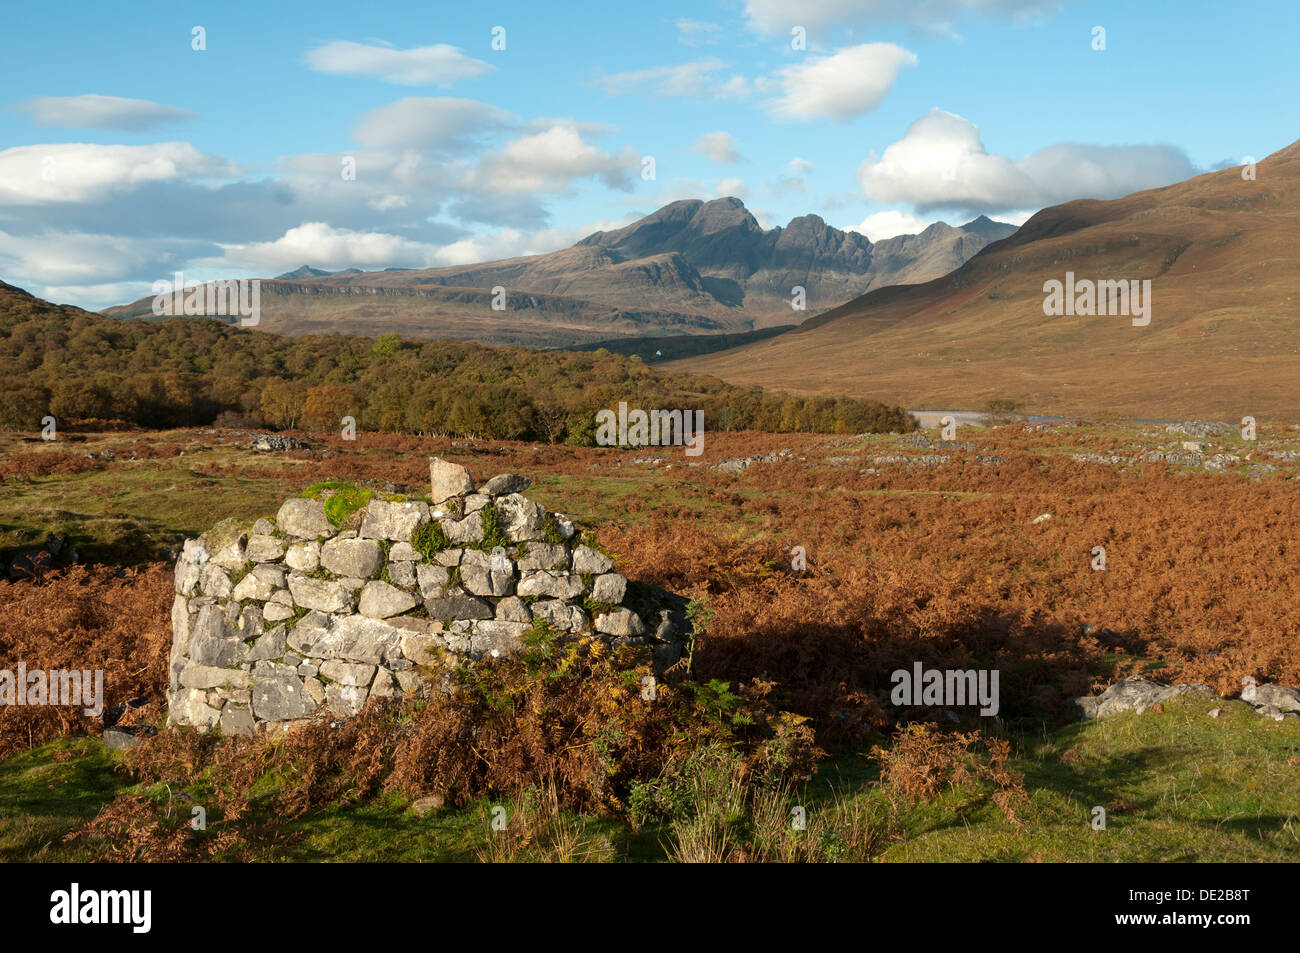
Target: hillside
{"type": "Point", "coordinates": [1220, 252]}
{"type": "Point", "coordinates": [692, 267]}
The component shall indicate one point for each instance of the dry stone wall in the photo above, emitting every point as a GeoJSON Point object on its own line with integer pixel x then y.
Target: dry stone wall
{"type": "Point", "coordinates": [271, 622]}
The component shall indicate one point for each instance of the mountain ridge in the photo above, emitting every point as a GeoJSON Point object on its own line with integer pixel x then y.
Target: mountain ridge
{"type": "Point", "coordinates": [703, 266]}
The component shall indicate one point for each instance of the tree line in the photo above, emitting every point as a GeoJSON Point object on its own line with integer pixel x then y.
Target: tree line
{"type": "Point", "coordinates": [185, 372]}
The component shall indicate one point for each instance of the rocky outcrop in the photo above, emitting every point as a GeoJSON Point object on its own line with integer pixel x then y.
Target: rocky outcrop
{"type": "Point", "coordinates": [271, 622]}
{"type": "Point", "coordinates": [1137, 694]}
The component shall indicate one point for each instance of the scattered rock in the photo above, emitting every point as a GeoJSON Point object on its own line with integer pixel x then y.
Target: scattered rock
{"type": "Point", "coordinates": [1134, 693]}
{"type": "Point", "coordinates": [424, 805]}
{"type": "Point", "coordinates": [274, 442]}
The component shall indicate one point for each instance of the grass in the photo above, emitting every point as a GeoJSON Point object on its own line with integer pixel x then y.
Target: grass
{"type": "Point", "coordinates": [1178, 786]}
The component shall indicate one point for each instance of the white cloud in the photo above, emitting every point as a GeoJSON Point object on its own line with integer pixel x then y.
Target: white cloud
{"type": "Point", "coordinates": [729, 187]}
{"type": "Point", "coordinates": [718, 146]}
{"type": "Point", "coordinates": [1016, 218]}
{"type": "Point", "coordinates": [941, 163]}
{"type": "Point", "coordinates": [882, 225]}
{"type": "Point", "coordinates": [388, 202]}
{"type": "Point", "coordinates": [438, 65]}
{"type": "Point", "coordinates": [73, 258]}
{"type": "Point", "coordinates": [439, 124]}
{"type": "Point", "coordinates": [513, 242]}
{"type": "Point", "coordinates": [93, 111]}
{"type": "Point", "coordinates": [83, 172]}
{"type": "Point", "coordinates": [548, 161]}
{"type": "Point", "coordinates": [324, 247]}
{"type": "Point", "coordinates": [696, 32]}
{"type": "Point", "coordinates": [698, 80]}
{"type": "Point", "coordinates": [797, 166]}
{"type": "Point", "coordinates": [840, 86]}
{"type": "Point", "coordinates": [777, 17]}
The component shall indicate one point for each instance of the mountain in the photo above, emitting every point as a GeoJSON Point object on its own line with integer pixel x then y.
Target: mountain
{"type": "Point", "coordinates": [307, 271]}
{"type": "Point", "coordinates": [692, 267]}
{"type": "Point", "coordinates": [1222, 253]}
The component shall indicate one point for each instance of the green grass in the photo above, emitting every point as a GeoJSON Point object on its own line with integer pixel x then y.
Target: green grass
{"type": "Point", "coordinates": [42, 798]}
{"type": "Point", "coordinates": [136, 511]}
{"type": "Point", "coordinates": [341, 499]}
{"type": "Point", "coordinates": [1177, 785]}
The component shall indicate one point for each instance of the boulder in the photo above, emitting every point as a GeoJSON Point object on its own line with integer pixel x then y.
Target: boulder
{"type": "Point", "coordinates": [513, 609]}
{"type": "Point", "coordinates": [213, 641]}
{"type": "Point", "coordinates": [393, 521]}
{"type": "Point", "coordinates": [353, 638]}
{"type": "Point", "coordinates": [622, 623]}
{"type": "Point", "coordinates": [497, 638]}
{"type": "Point", "coordinates": [269, 646]}
{"type": "Point", "coordinates": [215, 582]}
{"type": "Point", "coordinates": [277, 612]}
{"type": "Point", "coordinates": [232, 555]}
{"type": "Point", "coordinates": [402, 575]}
{"type": "Point", "coordinates": [588, 560]}
{"type": "Point", "coordinates": [379, 600]}
{"type": "Point", "coordinates": [1280, 697]}
{"type": "Point", "coordinates": [303, 518]}
{"type": "Point", "coordinates": [190, 706]}
{"type": "Point", "coordinates": [556, 585]}
{"type": "Point", "coordinates": [559, 615]}
{"type": "Point", "coordinates": [402, 553]}
{"type": "Point", "coordinates": [458, 604]}
{"type": "Point", "coordinates": [522, 519]}
{"type": "Point", "coordinates": [346, 700]}
{"type": "Point", "coordinates": [189, 566]}
{"type": "Point", "coordinates": [609, 588]}
{"type": "Point", "coordinates": [195, 675]}
{"type": "Point", "coordinates": [503, 484]}
{"type": "Point", "coordinates": [1134, 693]}
{"type": "Point", "coordinates": [420, 647]}
{"type": "Point", "coordinates": [237, 721]}
{"type": "Point", "coordinates": [432, 580]}
{"type": "Point", "coordinates": [304, 557]}
{"type": "Point", "coordinates": [467, 530]}
{"type": "Point", "coordinates": [264, 549]}
{"type": "Point", "coordinates": [347, 673]}
{"type": "Point", "coordinates": [322, 594]}
{"type": "Point", "coordinates": [257, 586]}
{"type": "Point", "coordinates": [544, 556]}
{"type": "Point", "coordinates": [360, 558]}
{"type": "Point", "coordinates": [278, 693]}
{"type": "Point", "coordinates": [447, 480]}
{"type": "Point", "coordinates": [482, 580]}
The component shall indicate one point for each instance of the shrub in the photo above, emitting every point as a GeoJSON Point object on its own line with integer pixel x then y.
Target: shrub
{"type": "Point", "coordinates": [429, 539]}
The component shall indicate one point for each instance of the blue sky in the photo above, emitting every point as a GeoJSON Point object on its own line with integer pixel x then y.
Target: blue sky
{"type": "Point", "coordinates": [125, 154]}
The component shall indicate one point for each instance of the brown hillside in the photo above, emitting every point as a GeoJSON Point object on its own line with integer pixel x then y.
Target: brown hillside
{"type": "Point", "coordinates": [1223, 256]}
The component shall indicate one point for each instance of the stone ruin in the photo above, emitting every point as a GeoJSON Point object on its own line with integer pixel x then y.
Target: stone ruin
{"type": "Point", "coordinates": [272, 622]}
